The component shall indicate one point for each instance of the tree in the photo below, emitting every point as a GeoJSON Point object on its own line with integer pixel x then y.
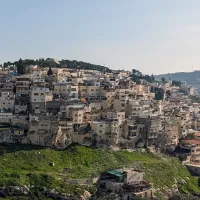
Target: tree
{"type": "Point", "coordinates": [159, 93]}
{"type": "Point", "coordinates": [49, 73]}
{"type": "Point", "coordinates": [152, 77]}
{"type": "Point", "coordinates": [176, 83]}
{"type": "Point", "coordinates": [163, 80]}
{"type": "Point", "coordinates": [20, 67]}
{"type": "Point", "coordinates": [5, 65]}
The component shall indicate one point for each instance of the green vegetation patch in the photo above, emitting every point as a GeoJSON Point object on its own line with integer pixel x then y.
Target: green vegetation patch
{"type": "Point", "coordinates": [32, 165]}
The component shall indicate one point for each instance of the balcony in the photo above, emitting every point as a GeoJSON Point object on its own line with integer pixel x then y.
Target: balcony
{"type": "Point", "coordinates": [153, 136]}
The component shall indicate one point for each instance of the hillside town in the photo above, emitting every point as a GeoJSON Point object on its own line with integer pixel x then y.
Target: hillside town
{"type": "Point", "coordinates": [56, 107]}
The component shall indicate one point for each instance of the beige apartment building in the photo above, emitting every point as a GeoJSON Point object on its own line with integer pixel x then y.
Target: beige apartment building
{"type": "Point", "coordinates": [88, 91]}
{"type": "Point", "coordinates": [77, 115]}
{"type": "Point", "coordinates": [61, 88]}
{"type": "Point", "coordinates": [105, 132]}
{"type": "Point", "coordinates": [194, 147]}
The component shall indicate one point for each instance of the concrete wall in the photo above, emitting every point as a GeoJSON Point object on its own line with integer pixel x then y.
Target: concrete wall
{"type": "Point", "coordinates": [89, 181]}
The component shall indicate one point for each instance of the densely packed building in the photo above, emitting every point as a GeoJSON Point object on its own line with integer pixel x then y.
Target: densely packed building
{"type": "Point", "coordinates": [93, 108]}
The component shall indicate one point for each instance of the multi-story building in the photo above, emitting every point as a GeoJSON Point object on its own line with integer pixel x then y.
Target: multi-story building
{"type": "Point", "coordinates": [94, 108]}
{"type": "Point", "coordinates": [39, 96]}
{"type": "Point", "coordinates": [22, 84]}
{"type": "Point", "coordinates": [106, 132]}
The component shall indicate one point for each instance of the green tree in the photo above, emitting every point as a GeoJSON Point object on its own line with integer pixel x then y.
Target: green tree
{"type": "Point", "coordinates": [176, 83]}
{"type": "Point", "coordinates": [49, 73]}
{"type": "Point", "coordinates": [159, 93]}
{"type": "Point", "coordinates": [20, 67]}
{"type": "Point", "coordinates": [163, 80]}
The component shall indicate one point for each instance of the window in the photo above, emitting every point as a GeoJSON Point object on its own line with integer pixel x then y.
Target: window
{"type": "Point", "coordinates": [133, 134]}
{"type": "Point", "coordinates": [75, 115]}
{"type": "Point", "coordinates": [42, 93]}
{"type": "Point", "coordinates": [92, 89]}
{"type": "Point", "coordinates": [35, 94]}
{"type": "Point", "coordinates": [79, 115]}
{"type": "Point", "coordinates": [100, 131]}
{"type": "Point", "coordinates": [101, 125]}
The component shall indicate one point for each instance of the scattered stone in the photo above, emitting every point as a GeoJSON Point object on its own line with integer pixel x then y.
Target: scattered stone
{"type": "Point", "coordinates": [187, 178]}
{"type": "Point", "coordinates": [86, 195]}
{"type": "Point", "coordinates": [52, 164]}
{"type": "Point", "coordinates": [182, 181]}
{"type": "Point", "coordinates": [14, 191]}
{"type": "Point", "coordinates": [175, 181]}
{"type": "Point", "coordinates": [175, 189]}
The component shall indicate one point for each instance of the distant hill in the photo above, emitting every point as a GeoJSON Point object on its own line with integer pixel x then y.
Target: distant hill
{"type": "Point", "coordinates": [50, 62]}
{"type": "Point", "coordinates": [191, 78]}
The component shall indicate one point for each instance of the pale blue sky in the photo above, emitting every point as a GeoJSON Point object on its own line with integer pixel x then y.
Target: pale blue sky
{"type": "Point", "coordinates": [154, 36]}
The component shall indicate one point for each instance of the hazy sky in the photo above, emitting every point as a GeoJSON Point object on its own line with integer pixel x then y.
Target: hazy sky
{"type": "Point", "coordinates": [154, 36]}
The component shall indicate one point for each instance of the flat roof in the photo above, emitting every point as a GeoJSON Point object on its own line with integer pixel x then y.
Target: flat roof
{"type": "Point", "coordinates": [115, 172]}
{"type": "Point", "coordinates": [191, 141]}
